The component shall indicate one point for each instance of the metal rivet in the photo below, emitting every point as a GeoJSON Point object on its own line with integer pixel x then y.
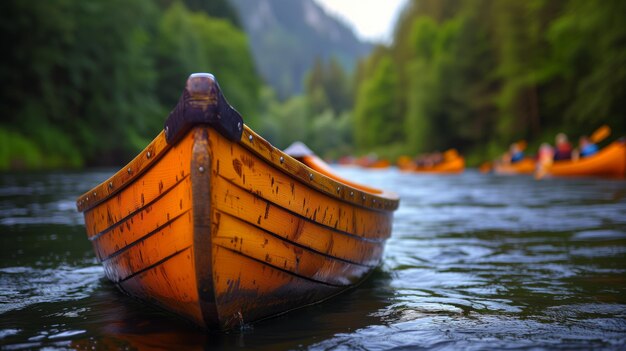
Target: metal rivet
{"type": "Point", "coordinates": [250, 137]}
{"type": "Point", "coordinates": [201, 169]}
{"type": "Point", "coordinates": [352, 193]}
{"type": "Point", "coordinates": [311, 176]}
{"type": "Point", "coordinates": [111, 185]}
{"type": "Point", "coordinates": [282, 159]}
{"type": "Point", "coordinates": [338, 189]}
{"type": "Point", "coordinates": [129, 170]}
{"type": "Point", "coordinates": [149, 154]}
{"type": "Point", "coordinates": [94, 194]}
{"type": "Point", "coordinates": [239, 125]}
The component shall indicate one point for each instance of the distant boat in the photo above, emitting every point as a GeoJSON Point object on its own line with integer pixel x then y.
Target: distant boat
{"type": "Point", "coordinates": [451, 162]}
{"type": "Point", "coordinates": [372, 161]}
{"type": "Point", "coordinates": [524, 166]}
{"type": "Point", "coordinates": [378, 164]}
{"type": "Point", "coordinates": [608, 162]}
{"type": "Point", "coordinates": [213, 223]}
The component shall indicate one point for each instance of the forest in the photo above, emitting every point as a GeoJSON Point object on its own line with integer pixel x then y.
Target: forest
{"type": "Point", "coordinates": [89, 83]}
{"type": "Point", "coordinates": [479, 74]}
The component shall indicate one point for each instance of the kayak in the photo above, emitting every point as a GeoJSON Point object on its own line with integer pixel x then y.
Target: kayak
{"type": "Point", "coordinates": [524, 166]}
{"type": "Point", "coordinates": [608, 162]}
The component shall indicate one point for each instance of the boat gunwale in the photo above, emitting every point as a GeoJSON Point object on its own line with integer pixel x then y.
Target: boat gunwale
{"type": "Point", "coordinates": [304, 218]}
{"type": "Point", "coordinates": [384, 201]}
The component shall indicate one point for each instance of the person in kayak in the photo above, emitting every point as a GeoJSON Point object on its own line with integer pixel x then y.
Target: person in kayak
{"type": "Point", "coordinates": [545, 155]}
{"type": "Point", "coordinates": [563, 148]}
{"type": "Point", "coordinates": [586, 147]}
{"type": "Point", "coordinates": [516, 152]}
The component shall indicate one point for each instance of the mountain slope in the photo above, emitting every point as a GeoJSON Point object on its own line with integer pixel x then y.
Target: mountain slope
{"type": "Point", "coordinates": [286, 36]}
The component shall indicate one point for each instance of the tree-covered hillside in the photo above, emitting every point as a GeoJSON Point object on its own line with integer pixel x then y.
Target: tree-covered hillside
{"type": "Point", "coordinates": [91, 82]}
{"type": "Point", "coordinates": [479, 74]}
{"type": "Point", "coordinates": [287, 36]}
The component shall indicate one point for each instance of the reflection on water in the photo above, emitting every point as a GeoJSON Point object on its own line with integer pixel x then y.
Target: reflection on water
{"type": "Point", "coordinates": [474, 262]}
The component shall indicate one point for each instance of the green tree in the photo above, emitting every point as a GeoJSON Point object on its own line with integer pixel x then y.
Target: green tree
{"type": "Point", "coordinates": [375, 118]}
{"type": "Point", "coordinates": [193, 42]}
{"type": "Point", "coordinates": [92, 81]}
{"type": "Point", "coordinates": [587, 66]}
{"type": "Point", "coordinates": [73, 68]}
{"type": "Point", "coordinates": [328, 86]}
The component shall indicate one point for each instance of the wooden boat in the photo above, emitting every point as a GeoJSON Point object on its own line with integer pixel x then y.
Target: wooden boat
{"type": "Point", "coordinates": [452, 163]}
{"type": "Point", "coordinates": [608, 162]}
{"type": "Point", "coordinates": [372, 162]}
{"type": "Point", "coordinates": [379, 164]}
{"type": "Point", "coordinates": [213, 223]}
{"type": "Point", "coordinates": [485, 167]}
{"type": "Point", "coordinates": [524, 166]}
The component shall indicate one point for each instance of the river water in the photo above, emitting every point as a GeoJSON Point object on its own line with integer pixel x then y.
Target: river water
{"type": "Point", "coordinates": [475, 262]}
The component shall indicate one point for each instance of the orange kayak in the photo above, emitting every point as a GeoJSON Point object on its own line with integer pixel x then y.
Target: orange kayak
{"type": "Point", "coordinates": [525, 166]}
{"type": "Point", "coordinates": [452, 163]}
{"type": "Point", "coordinates": [380, 164]}
{"type": "Point", "coordinates": [456, 165]}
{"type": "Point", "coordinates": [608, 162]}
{"type": "Point", "coordinates": [215, 224]}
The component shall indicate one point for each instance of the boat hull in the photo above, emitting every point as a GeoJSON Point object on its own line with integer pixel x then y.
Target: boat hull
{"type": "Point", "coordinates": [456, 165]}
{"type": "Point", "coordinates": [525, 166]}
{"type": "Point", "coordinates": [608, 162]}
{"type": "Point", "coordinates": [225, 233]}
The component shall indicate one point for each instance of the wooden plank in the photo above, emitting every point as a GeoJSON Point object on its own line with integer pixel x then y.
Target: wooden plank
{"type": "Point", "coordinates": [150, 155]}
{"type": "Point", "coordinates": [172, 168]}
{"type": "Point", "coordinates": [148, 251]}
{"type": "Point", "coordinates": [249, 172]}
{"type": "Point", "coordinates": [248, 290]}
{"type": "Point", "coordinates": [383, 200]}
{"type": "Point", "coordinates": [170, 284]}
{"type": "Point", "coordinates": [255, 243]}
{"type": "Point", "coordinates": [230, 199]}
{"type": "Point", "coordinates": [171, 205]}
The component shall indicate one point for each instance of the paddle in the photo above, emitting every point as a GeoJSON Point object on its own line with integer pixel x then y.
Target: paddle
{"type": "Point", "coordinates": [600, 134]}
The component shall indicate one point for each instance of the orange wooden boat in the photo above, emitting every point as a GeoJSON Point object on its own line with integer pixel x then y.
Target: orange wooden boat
{"type": "Point", "coordinates": [213, 223]}
{"type": "Point", "coordinates": [379, 164]}
{"type": "Point", "coordinates": [453, 166]}
{"type": "Point", "coordinates": [452, 163]}
{"type": "Point", "coordinates": [608, 162]}
{"type": "Point", "coordinates": [524, 166]}
{"type": "Point", "coordinates": [372, 162]}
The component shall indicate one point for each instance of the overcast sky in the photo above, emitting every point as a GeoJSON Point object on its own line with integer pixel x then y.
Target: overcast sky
{"type": "Point", "coordinates": [371, 19]}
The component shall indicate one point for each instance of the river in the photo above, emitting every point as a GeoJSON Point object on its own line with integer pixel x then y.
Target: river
{"type": "Point", "coordinates": [474, 262]}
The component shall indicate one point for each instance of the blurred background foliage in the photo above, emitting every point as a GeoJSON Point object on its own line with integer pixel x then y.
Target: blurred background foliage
{"type": "Point", "coordinates": [479, 74]}
{"type": "Point", "coordinates": [89, 83]}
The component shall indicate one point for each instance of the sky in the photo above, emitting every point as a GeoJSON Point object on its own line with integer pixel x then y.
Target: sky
{"type": "Point", "coordinates": [372, 20]}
